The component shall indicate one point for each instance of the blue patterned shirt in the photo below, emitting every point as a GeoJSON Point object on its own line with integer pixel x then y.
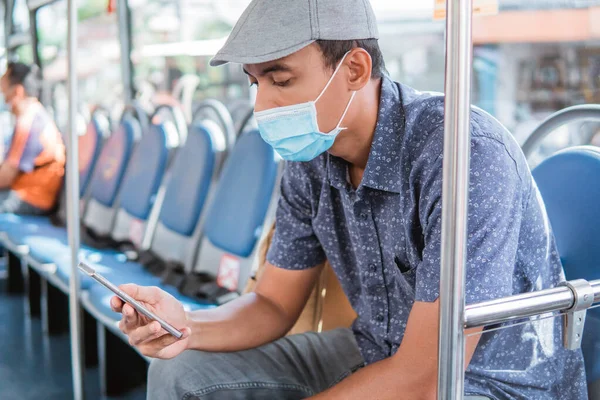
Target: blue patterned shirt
{"type": "Point", "coordinates": [383, 242]}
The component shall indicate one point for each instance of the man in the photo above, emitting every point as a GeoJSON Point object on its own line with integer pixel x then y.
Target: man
{"type": "Point", "coordinates": [31, 173]}
{"type": "Point", "coordinates": [362, 189]}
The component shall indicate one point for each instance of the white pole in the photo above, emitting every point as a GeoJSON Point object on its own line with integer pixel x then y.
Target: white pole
{"type": "Point", "coordinates": [73, 207]}
{"type": "Point", "coordinates": [457, 138]}
{"type": "Point", "coordinates": [124, 41]}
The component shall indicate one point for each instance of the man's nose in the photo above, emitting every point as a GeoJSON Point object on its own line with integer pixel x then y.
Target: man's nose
{"type": "Point", "coordinates": [261, 103]}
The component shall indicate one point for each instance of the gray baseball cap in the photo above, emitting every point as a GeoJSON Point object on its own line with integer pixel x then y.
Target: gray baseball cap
{"type": "Point", "coordinates": [273, 29]}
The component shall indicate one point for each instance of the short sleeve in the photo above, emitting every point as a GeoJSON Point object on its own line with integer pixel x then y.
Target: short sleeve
{"type": "Point", "coordinates": [495, 212]}
{"type": "Point", "coordinates": [295, 245]}
{"type": "Point", "coordinates": [19, 153]}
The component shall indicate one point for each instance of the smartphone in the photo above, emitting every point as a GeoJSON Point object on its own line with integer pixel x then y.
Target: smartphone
{"type": "Point", "coordinates": [130, 300]}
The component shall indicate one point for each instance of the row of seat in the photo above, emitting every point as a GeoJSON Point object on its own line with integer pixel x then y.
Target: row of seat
{"type": "Point", "coordinates": [184, 199]}
{"type": "Point", "coordinates": [568, 182]}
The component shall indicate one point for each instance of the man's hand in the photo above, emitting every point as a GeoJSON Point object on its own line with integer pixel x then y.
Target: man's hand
{"type": "Point", "coordinates": [147, 335]}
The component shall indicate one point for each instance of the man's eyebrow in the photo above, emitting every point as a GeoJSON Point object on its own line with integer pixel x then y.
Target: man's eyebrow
{"type": "Point", "coordinates": [270, 69]}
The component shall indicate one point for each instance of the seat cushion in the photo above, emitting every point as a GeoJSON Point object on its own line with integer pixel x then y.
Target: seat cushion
{"type": "Point", "coordinates": [13, 222]}
{"type": "Point", "coordinates": [45, 247]}
{"type": "Point", "coordinates": [110, 263]}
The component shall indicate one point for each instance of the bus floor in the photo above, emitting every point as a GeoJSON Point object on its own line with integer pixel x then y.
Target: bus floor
{"type": "Point", "coordinates": [37, 366]}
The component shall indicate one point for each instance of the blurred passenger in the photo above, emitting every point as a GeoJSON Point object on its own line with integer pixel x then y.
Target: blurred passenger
{"type": "Point", "coordinates": [32, 170]}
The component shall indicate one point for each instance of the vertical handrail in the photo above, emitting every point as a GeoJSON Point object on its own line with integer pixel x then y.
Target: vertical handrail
{"type": "Point", "coordinates": [73, 206]}
{"type": "Point", "coordinates": [124, 24]}
{"type": "Point", "coordinates": [455, 195]}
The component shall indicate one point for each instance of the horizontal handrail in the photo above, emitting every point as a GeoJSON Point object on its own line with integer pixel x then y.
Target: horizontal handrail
{"type": "Point", "coordinates": [586, 112]}
{"type": "Point", "coordinates": [524, 305]}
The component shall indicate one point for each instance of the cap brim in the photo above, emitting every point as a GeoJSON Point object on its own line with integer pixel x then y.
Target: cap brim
{"type": "Point", "coordinates": [248, 56]}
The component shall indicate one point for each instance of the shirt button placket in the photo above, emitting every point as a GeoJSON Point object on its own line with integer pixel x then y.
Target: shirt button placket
{"type": "Point", "coordinates": [375, 282]}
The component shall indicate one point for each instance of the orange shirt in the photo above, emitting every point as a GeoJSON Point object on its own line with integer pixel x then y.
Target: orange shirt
{"type": "Point", "coordinates": [37, 150]}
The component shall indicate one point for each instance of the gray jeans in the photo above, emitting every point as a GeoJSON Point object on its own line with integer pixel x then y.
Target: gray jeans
{"type": "Point", "coordinates": [295, 367]}
{"type": "Point", "coordinates": [10, 202]}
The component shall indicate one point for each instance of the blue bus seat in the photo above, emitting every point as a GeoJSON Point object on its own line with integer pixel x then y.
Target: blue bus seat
{"type": "Point", "coordinates": [176, 235]}
{"type": "Point", "coordinates": [90, 148]}
{"type": "Point", "coordinates": [47, 242]}
{"type": "Point", "coordinates": [145, 173]}
{"type": "Point", "coordinates": [239, 211]}
{"type": "Point", "coordinates": [568, 182]}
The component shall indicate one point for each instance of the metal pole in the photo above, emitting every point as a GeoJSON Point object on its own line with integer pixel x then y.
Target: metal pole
{"type": "Point", "coordinates": [124, 22]}
{"type": "Point", "coordinates": [523, 306]}
{"type": "Point", "coordinates": [457, 138]}
{"type": "Point", "coordinates": [519, 306]}
{"type": "Point", "coordinates": [73, 206]}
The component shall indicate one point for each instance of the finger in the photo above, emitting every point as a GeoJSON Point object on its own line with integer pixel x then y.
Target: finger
{"type": "Point", "coordinates": [116, 304]}
{"type": "Point", "coordinates": [153, 333]}
{"type": "Point", "coordinates": [146, 333]}
{"type": "Point", "coordinates": [130, 317]}
{"type": "Point", "coordinates": [146, 294]}
{"type": "Point", "coordinates": [165, 346]}
{"type": "Point", "coordinates": [161, 343]}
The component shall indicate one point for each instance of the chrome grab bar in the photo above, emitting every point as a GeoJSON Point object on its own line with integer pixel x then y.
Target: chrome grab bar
{"type": "Point", "coordinates": [586, 112]}
{"type": "Point", "coordinates": [573, 297]}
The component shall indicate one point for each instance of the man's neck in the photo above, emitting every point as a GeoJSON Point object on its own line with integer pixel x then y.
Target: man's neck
{"type": "Point", "coordinates": [354, 144]}
{"type": "Point", "coordinates": [21, 107]}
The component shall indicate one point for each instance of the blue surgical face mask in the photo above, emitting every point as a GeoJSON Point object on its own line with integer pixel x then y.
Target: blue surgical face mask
{"type": "Point", "coordinates": [293, 131]}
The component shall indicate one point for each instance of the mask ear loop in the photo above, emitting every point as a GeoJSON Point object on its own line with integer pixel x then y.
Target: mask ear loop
{"type": "Point", "coordinates": [346, 111]}
{"type": "Point", "coordinates": [332, 76]}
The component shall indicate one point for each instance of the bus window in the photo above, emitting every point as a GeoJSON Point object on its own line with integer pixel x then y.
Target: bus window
{"type": "Point", "coordinates": [169, 43]}
{"type": "Point", "coordinates": [23, 53]}
{"type": "Point", "coordinates": [520, 76]}
{"type": "Point", "coordinates": [20, 18]}
{"type": "Point", "coordinates": [98, 64]}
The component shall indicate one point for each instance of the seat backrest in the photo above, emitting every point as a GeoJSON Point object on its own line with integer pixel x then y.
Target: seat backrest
{"type": "Point", "coordinates": [193, 170]}
{"type": "Point", "coordinates": [90, 145]}
{"type": "Point", "coordinates": [238, 211]}
{"type": "Point", "coordinates": [145, 173]}
{"type": "Point", "coordinates": [108, 176]}
{"type": "Point", "coordinates": [570, 186]}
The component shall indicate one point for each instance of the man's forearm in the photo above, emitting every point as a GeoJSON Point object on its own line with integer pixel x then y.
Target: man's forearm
{"type": "Point", "coordinates": [383, 380]}
{"type": "Point", "coordinates": [247, 322]}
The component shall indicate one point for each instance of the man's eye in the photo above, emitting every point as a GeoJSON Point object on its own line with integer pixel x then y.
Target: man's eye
{"type": "Point", "coordinates": [253, 84]}
{"type": "Point", "coordinates": [282, 84]}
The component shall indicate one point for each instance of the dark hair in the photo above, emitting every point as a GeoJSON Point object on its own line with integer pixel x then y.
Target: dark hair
{"type": "Point", "coordinates": [25, 75]}
{"type": "Point", "coordinates": [334, 50]}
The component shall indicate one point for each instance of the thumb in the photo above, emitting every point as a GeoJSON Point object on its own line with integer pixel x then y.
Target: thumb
{"type": "Point", "coordinates": [148, 295]}
{"type": "Point", "coordinates": [186, 333]}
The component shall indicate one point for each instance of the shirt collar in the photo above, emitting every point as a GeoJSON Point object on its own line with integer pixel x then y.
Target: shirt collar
{"type": "Point", "coordinates": [383, 167]}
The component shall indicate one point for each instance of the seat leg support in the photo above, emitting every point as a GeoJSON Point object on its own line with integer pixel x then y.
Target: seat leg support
{"type": "Point", "coordinates": [33, 289]}
{"type": "Point", "coordinates": [15, 282]}
{"type": "Point", "coordinates": [54, 309]}
{"type": "Point", "coordinates": [90, 340]}
{"type": "Point", "coordinates": [121, 367]}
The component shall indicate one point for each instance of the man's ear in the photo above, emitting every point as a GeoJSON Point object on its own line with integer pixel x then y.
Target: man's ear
{"type": "Point", "coordinates": [360, 64]}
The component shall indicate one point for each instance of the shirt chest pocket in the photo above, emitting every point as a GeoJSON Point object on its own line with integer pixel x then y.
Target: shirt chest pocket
{"type": "Point", "coordinates": [408, 273]}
